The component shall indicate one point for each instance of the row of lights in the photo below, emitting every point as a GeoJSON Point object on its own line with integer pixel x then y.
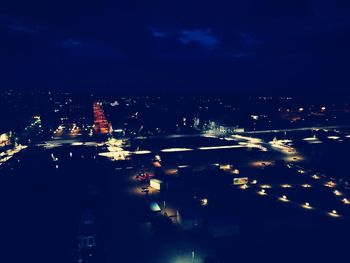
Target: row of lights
{"type": "Point", "coordinates": [307, 205]}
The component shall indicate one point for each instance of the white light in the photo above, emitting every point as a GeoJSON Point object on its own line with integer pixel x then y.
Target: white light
{"type": "Point", "coordinates": [77, 143]}
{"type": "Point", "coordinates": [306, 205]}
{"type": "Point", "coordinates": [220, 147]}
{"type": "Point", "coordinates": [333, 137]}
{"type": "Point", "coordinates": [310, 139]}
{"type": "Point", "coordinates": [204, 201]}
{"type": "Point", "coordinates": [315, 176]}
{"type": "Point", "coordinates": [284, 198]}
{"type": "Point", "coordinates": [244, 187]}
{"type": "Point", "coordinates": [333, 213]}
{"type": "Point", "coordinates": [142, 152]}
{"type": "Point", "coordinates": [265, 186]}
{"type": "Point", "coordinates": [176, 150]}
{"type": "Point", "coordinates": [346, 201]}
{"type": "Point", "coordinates": [306, 185]}
{"type": "Point", "coordinates": [262, 192]}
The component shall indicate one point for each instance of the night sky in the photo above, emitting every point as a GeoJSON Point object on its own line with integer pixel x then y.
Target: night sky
{"type": "Point", "coordinates": [180, 45]}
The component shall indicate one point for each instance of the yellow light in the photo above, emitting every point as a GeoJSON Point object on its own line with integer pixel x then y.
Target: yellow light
{"type": "Point", "coordinates": [286, 186]}
{"type": "Point", "coordinates": [225, 166]}
{"type": "Point", "coordinates": [306, 205]}
{"type": "Point", "coordinates": [265, 186]}
{"type": "Point", "coordinates": [235, 171]}
{"type": "Point", "coordinates": [315, 176]}
{"type": "Point", "coordinates": [330, 184]}
{"type": "Point", "coordinates": [262, 192]}
{"type": "Point", "coordinates": [306, 185]}
{"type": "Point", "coordinates": [337, 193]}
{"type": "Point", "coordinates": [243, 187]}
{"type": "Point", "coordinates": [334, 213]}
{"type": "Point", "coordinates": [284, 198]}
{"type": "Point", "coordinates": [346, 201]}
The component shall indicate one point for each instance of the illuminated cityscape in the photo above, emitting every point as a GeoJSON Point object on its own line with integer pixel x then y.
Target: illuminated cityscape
{"type": "Point", "coordinates": [174, 131]}
{"type": "Point", "coordinates": [191, 183]}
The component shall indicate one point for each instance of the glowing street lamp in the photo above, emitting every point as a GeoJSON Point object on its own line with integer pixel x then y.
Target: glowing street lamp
{"type": "Point", "coordinates": [334, 213]}
{"type": "Point", "coordinates": [244, 187]}
{"type": "Point", "coordinates": [306, 186]}
{"type": "Point", "coordinates": [346, 201]}
{"type": "Point", "coordinates": [204, 202]}
{"type": "Point", "coordinates": [330, 184]}
{"type": "Point", "coordinates": [286, 186]}
{"type": "Point", "coordinates": [284, 198]}
{"type": "Point", "coordinates": [337, 193]}
{"type": "Point", "coordinates": [315, 176]}
{"type": "Point", "coordinates": [306, 205]}
{"type": "Point", "coordinates": [262, 192]}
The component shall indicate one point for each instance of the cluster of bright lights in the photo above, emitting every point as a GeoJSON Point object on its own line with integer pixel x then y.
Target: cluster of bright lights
{"type": "Point", "coordinates": [7, 155]}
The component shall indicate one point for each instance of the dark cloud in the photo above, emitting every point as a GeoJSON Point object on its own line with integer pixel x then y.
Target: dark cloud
{"type": "Point", "coordinates": [157, 33]}
{"type": "Point", "coordinates": [241, 44]}
{"type": "Point", "coordinates": [15, 25]}
{"type": "Point", "coordinates": [89, 50]}
{"type": "Point", "coordinates": [203, 37]}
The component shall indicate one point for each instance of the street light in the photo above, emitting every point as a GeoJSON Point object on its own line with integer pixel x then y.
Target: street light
{"type": "Point", "coordinates": [306, 205]}
{"type": "Point", "coordinates": [284, 198]}
{"type": "Point", "coordinates": [345, 201]}
{"type": "Point", "coordinates": [334, 213]}
{"type": "Point", "coordinates": [337, 193]}
{"type": "Point", "coordinates": [262, 192]}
